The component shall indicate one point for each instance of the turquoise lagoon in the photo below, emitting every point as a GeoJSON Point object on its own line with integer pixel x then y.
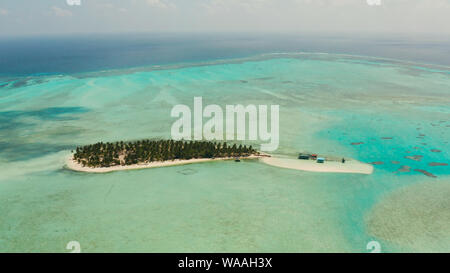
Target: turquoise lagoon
{"type": "Point", "coordinates": [327, 102]}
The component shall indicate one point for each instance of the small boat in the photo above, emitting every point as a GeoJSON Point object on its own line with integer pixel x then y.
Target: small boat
{"type": "Point", "coordinates": [237, 159]}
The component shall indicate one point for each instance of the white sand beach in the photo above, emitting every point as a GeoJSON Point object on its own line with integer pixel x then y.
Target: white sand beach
{"type": "Point", "coordinates": [75, 166]}
{"type": "Point", "coordinates": [350, 165]}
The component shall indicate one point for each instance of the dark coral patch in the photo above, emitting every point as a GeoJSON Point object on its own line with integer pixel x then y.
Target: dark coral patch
{"type": "Point", "coordinates": [437, 164]}
{"type": "Point", "coordinates": [357, 143]}
{"type": "Point", "coordinates": [25, 151]}
{"type": "Point", "coordinates": [425, 173]}
{"type": "Point", "coordinates": [404, 169]}
{"type": "Point", "coordinates": [51, 113]}
{"type": "Point", "coordinates": [415, 157]}
{"type": "Point", "coordinates": [187, 171]}
{"type": "Point", "coordinates": [377, 163]}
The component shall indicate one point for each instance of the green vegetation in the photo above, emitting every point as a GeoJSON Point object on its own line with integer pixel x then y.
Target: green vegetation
{"type": "Point", "coordinates": [146, 151]}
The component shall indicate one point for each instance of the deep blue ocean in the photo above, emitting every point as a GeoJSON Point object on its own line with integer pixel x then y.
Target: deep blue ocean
{"type": "Point", "coordinates": [21, 56]}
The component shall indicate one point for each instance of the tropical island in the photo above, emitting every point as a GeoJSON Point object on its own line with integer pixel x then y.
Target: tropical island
{"type": "Point", "coordinates": [117, 156]}
{"type": "Point", "coordinates": [106, 157]}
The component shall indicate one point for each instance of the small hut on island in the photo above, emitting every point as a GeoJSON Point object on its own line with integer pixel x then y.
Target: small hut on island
{"type": "Point", "coordinates": [306, 156]}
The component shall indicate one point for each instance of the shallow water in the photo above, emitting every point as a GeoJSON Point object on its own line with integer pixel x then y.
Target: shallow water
{"type": "Point", "coordinates": [327, 102]}
{"type": "Point", "coordinates": [414, 217]}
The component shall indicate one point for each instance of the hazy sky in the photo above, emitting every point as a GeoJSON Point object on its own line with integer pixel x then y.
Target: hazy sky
{"type": "Point", "coordinates": [19, 17]}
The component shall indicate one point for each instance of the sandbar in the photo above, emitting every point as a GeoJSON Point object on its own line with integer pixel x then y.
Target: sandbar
{"type": "Point", "coordinates": [350, 165]}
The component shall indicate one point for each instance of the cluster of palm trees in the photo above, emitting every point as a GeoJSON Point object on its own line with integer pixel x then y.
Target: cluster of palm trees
{"type": "Point", "coordinates": [145, 151]}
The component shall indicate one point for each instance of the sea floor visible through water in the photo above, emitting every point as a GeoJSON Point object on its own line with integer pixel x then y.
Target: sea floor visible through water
{"type": "Point", "coordinates": [392, 114]}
